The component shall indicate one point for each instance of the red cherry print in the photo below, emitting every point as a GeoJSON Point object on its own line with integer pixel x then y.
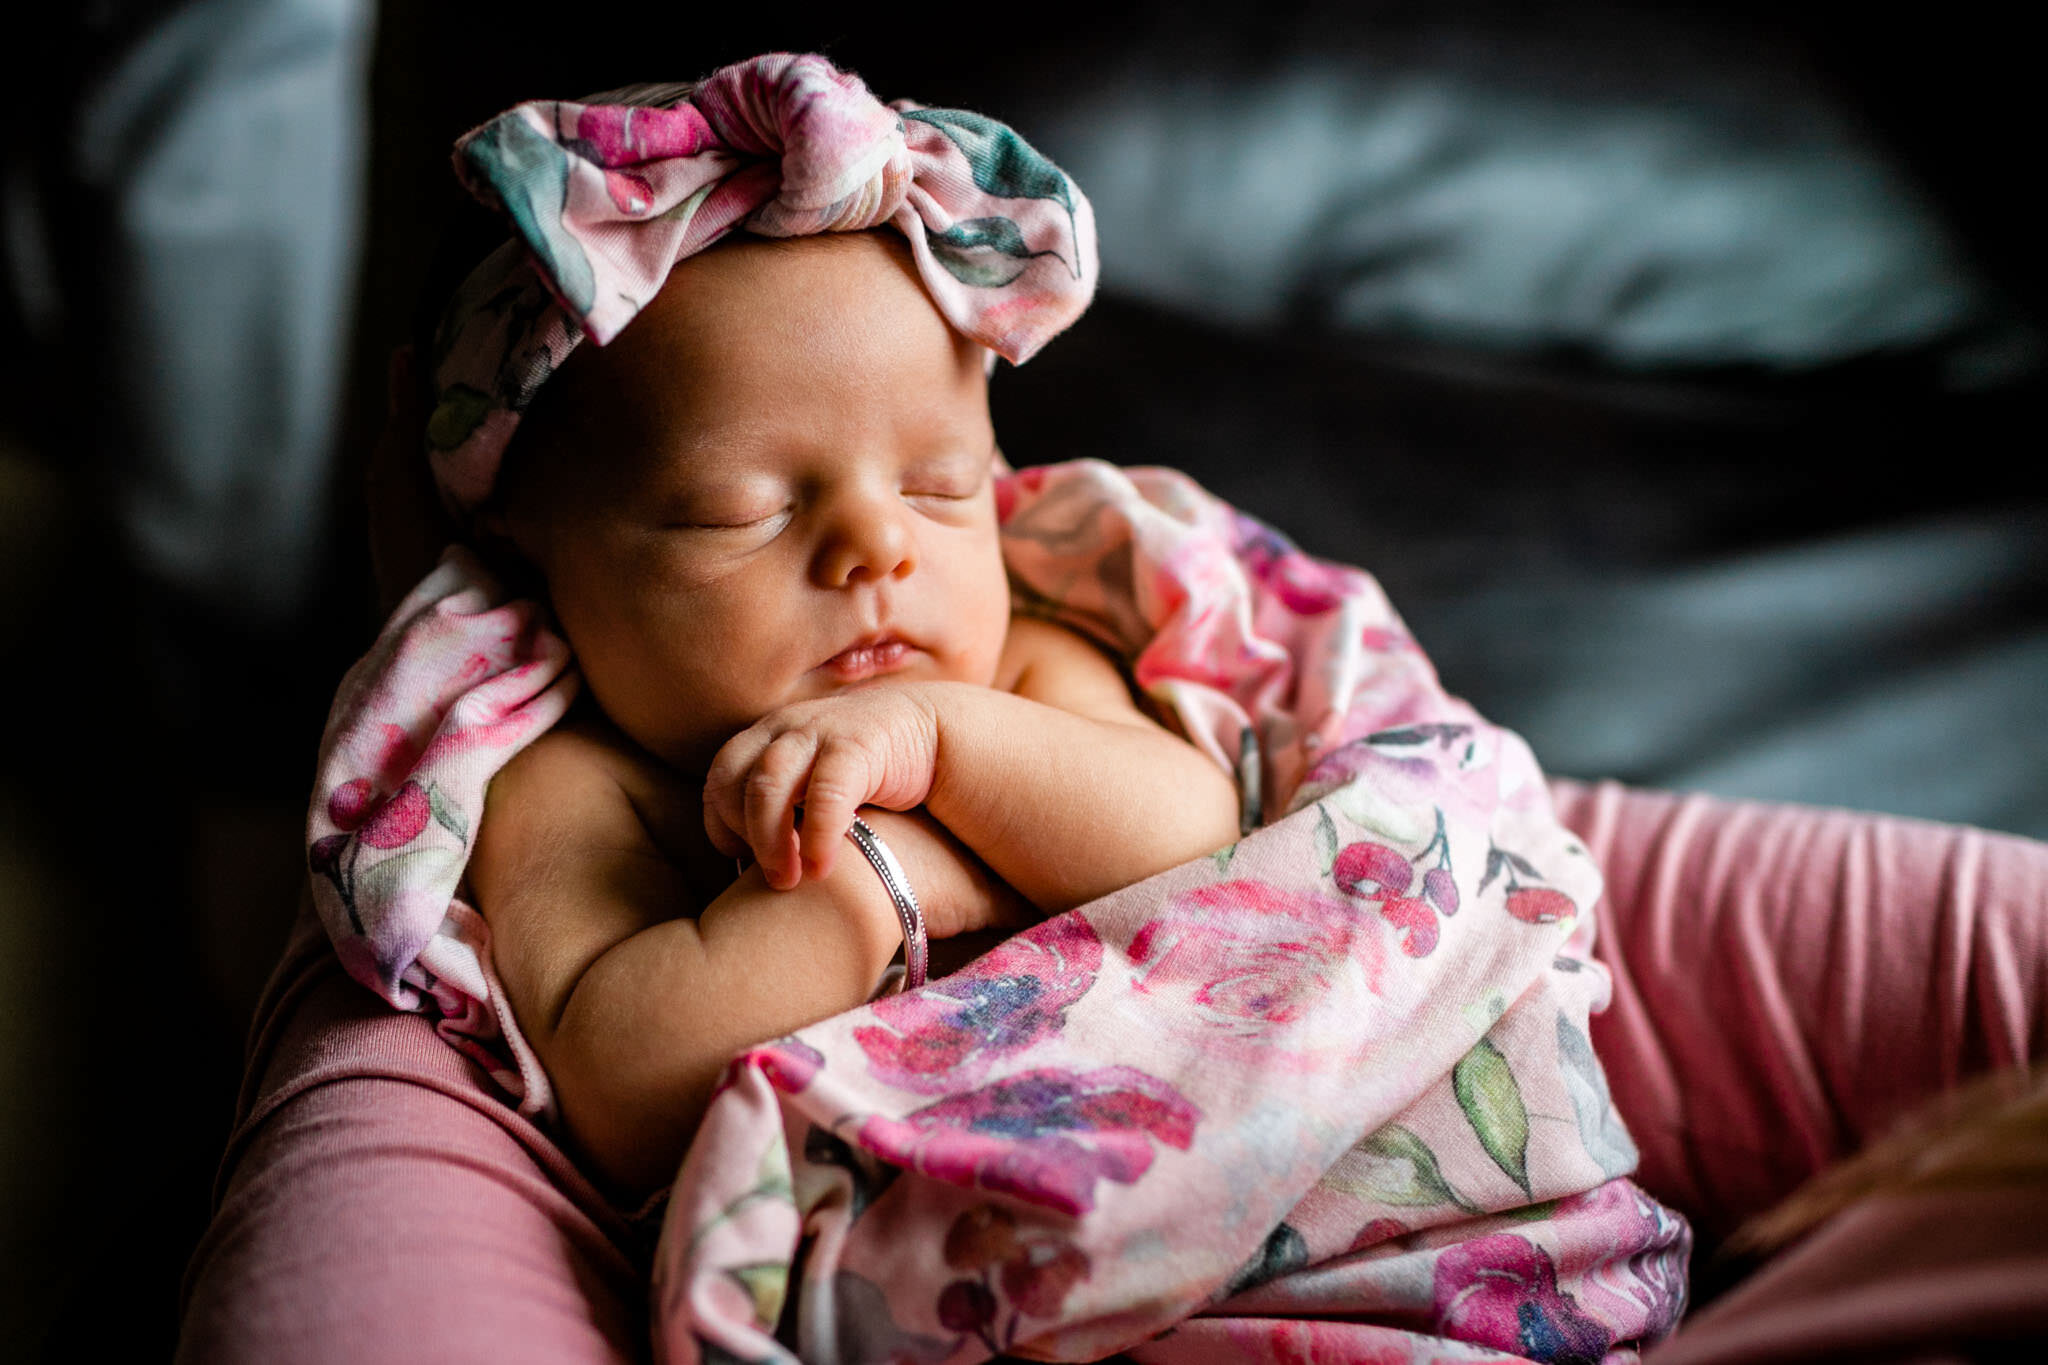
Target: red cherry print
{"type": "Point", "coordinates": [349, 802]}
{"type": "Point", "coordinates": [1416, 918]}
{"type": "Point", "coordinates": [1368, 871]}
{"type": "Point", "coordinates": [1540, 905]}
{"type": "Point", "coordinates": [398, 821]}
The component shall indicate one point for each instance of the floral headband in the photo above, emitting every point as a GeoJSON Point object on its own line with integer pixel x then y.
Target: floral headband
{"type": "Point", "coordinates": [607, 195]}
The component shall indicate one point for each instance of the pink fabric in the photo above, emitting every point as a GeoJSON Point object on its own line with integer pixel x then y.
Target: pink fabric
{"type": "Point", "coordinates": [1927, 1277]}
{"type": "Point", "coordinates": [379, 1200]}
{"type": "Point", "coordinates": [1916, 947]}
{"type": "Point", "coordinates": [1788, 980]}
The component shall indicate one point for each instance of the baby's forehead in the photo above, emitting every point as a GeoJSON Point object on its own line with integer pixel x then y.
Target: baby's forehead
{"type": "Point", "coordinates": [760, 334]}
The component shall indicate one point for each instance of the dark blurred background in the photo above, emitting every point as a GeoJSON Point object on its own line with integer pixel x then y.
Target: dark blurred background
{"type": "Point", "coordinates": [1676, 367]}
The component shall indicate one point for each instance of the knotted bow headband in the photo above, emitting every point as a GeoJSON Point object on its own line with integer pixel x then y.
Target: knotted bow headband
{"type": "Point", "coordinates": [607, 195]}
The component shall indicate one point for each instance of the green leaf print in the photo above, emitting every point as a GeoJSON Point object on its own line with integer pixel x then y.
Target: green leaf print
{"type": "Point", "coordinates": [985, 252]}
{"type": "Point", "coordinates": [1251, 782]}
{"type": "Point", "coordinates": [1600, 1126]}
{"type": "Point", "coordinates": [380, 883]}
{"type": "Point", "coordinates": [447, 813]}
{"type": "Point", "coordinates": [1492, 1103]}
{"type": "Point", "coordinates": [1003, 164]}
{"type": "Point", "coordinates": [531, 175]}
{"type": "Point", "coordinates": [1326, 839]}
{"type": "Point", "coordinates": [1400, 1169]}
{"type": "Point", "coordinates": [766, 1283]}
{"type": "Point", "coordinates": [456, 416]}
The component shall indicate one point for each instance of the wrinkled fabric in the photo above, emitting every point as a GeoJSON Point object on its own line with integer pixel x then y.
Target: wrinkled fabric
{"type": "Point", "coordinates": [377, 1191]}
{"type": "Point", "coordinates": [1340, 1070]}
{"type": "Point", "coordinates": [458, 681]}
{"type": "Point", "coordinates": [606, 196]}
{"type": "Point", "coordinates": [1356, 1041]}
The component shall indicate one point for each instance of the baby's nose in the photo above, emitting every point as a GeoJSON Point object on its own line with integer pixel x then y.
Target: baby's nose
{"type": "Point", "coordinates": [868, 542]}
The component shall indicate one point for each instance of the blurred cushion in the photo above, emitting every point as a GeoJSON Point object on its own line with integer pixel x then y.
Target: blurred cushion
{"type": "Point", "coordinates": [1647, 189]}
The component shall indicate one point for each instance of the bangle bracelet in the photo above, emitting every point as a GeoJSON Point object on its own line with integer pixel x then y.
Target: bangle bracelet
{"type": "Point", "coordinates": [916, 953]}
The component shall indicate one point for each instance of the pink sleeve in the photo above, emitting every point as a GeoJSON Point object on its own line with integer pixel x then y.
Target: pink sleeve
{"type": "Point", "coordinates": [1788, 980]}
{"type": "Point", "coordinates": [379, 1201]}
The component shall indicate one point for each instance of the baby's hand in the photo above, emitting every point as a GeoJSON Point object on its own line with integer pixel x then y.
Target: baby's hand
{"type": "Point", "coordinates": [874, 746]}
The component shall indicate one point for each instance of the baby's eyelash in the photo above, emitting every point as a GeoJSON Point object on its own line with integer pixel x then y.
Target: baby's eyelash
{"type": "Point", "coordinates": [749, 525]}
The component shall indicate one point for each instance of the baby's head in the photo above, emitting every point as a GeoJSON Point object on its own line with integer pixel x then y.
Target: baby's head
{"type": "Point", "coordinates": [769, 476]}
{"type": "Point", "coordinates": [777, 483]}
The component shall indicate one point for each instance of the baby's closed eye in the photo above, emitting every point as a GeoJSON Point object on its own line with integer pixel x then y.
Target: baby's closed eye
{"type": "Point", "coordinates": [953, 478]}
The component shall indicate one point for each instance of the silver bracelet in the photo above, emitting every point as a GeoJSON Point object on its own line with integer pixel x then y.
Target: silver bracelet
{"type": "Point", "coordinates": [916, 949]}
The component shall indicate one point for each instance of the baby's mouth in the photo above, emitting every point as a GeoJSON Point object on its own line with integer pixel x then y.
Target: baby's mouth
{"type": "Point", "coordinates": [869, 658]}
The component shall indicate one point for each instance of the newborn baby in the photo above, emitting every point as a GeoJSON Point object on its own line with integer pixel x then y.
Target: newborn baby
{"type": "Point", "coordinates": [765, 517]}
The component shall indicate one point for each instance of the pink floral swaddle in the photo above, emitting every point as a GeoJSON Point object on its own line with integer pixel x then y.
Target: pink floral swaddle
{"type": "Point", "coordinates": [1326, 1095]}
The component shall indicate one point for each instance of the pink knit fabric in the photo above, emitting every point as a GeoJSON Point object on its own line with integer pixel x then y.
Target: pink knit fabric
{"type": "Point", "coordinates": [1786, 981]}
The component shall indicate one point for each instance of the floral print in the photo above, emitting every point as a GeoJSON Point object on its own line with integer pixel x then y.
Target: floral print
{"type": "Point", "coordinates": [1047, 1136]}
{"type": "Point", "coordinates": [953, 1031]}
{"type": "Point", "coordinates": [1285, 1099]}
{"type": "Point", "coordinates": [1331, 1085]}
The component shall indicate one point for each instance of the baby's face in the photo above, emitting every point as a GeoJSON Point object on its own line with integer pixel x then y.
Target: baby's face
{"type": "Point", "coordinates": [775, 485]}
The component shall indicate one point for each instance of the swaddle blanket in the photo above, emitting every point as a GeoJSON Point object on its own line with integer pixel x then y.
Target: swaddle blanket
{"type": "Point", "coordinates": [1325, 1095]}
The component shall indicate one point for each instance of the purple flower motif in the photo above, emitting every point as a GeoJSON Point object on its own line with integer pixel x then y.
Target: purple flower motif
{"type": "Point", "coordinates": [1501, 1291]}
{"type": "Point", "coordinates": [950, 1033]}
{"type": "Point", "coordinates": [1046, 1136]}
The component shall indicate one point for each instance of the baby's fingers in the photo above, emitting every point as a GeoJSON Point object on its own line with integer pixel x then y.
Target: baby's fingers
{"type": "Point", "coordinates": [840, 782]}
{"type": "Point", "coordinates": [773, 789]}
{"type": "Point", "coordinates": [725, 806]}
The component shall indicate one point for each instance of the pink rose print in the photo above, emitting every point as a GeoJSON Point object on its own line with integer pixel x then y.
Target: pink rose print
{"type": "Point", "coordinates": [1501, 1291]}
{"type": "Point", "coordinates": [1046, 1136]}
{"type": "Point", "coordinates": [625, 135]}
{"type": "Point", "coordinates": [1249, 955]}
{"type": "Point", "coordinates": [952, 1031]}
{"type": "Point", "coordinates": [1640, 1281]}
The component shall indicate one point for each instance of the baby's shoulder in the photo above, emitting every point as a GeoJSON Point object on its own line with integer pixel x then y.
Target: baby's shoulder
{"type": "Point", "coordinates": [1051, 663]}
{"type": "Point", "coordinates": [580, 777]}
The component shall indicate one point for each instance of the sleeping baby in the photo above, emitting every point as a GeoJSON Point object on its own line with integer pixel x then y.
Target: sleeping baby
{"type": "Point", "coordinates": [762, 511]}
{"type": "Point", "coordinates": [764, 517]}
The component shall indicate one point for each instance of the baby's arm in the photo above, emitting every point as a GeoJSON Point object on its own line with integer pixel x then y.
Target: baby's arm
{"type": "Point", "coordinates": [634, 1008]}
{"type": "Point", "coordinates": [1059, 783]}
